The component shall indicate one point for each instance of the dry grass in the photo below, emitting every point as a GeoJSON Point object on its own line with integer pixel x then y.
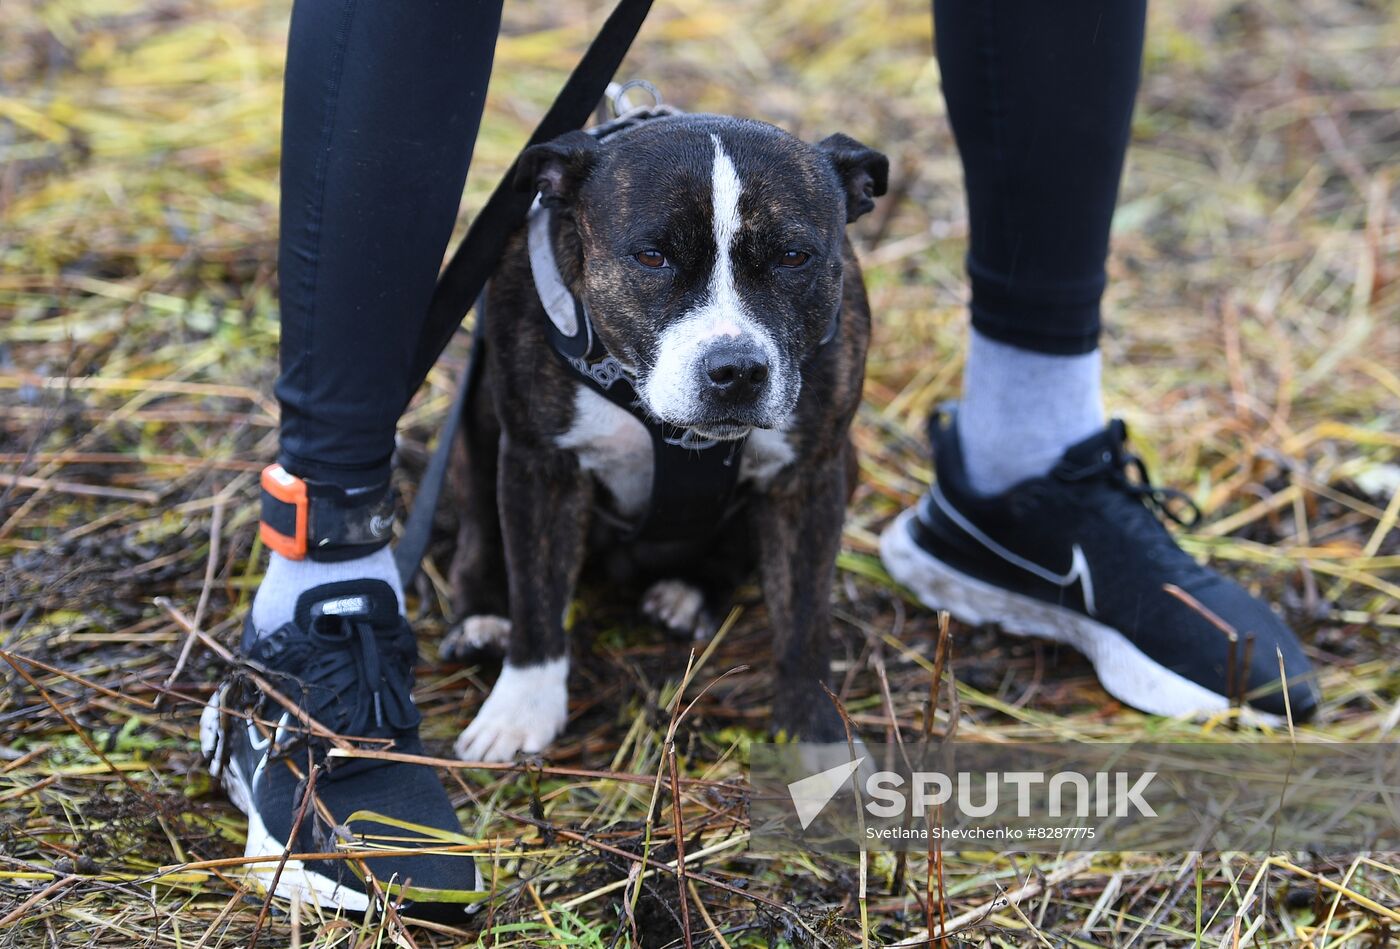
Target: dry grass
{"type": "Point", "coordinates": [1254, 347]}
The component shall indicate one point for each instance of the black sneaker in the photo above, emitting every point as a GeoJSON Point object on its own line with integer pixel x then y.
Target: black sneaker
{"type": "Point", "coordinates": [348, 660]}
{"type": "Point", "coordinates": [1080, 556]}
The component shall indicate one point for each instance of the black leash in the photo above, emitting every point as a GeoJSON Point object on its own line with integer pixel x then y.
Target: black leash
{"type": "Point", "coordinates": [480, 251]}
{"type": "Point", "coordinates": [464, 280]}
{"type": "Point", "coordinates": [413, 544]}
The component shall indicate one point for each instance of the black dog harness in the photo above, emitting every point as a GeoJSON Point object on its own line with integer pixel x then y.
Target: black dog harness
{"type": "Point", "coordinates": [694, 483]}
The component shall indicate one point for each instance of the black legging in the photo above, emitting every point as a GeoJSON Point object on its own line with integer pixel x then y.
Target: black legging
{"type": "Point", "coordinates": [381, 112]}
{"type": "Point", "coordinates": [1040, 94]}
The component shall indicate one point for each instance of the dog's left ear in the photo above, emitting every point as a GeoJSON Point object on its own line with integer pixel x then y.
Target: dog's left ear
{"type": "Point", "coordinates": [864, 171]}
{"type": "Point", "coordinates": [556, 168]}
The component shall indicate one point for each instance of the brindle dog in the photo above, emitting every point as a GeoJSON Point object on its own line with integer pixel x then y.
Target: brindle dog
{"type": "Point", "coordinates": [709, 259]}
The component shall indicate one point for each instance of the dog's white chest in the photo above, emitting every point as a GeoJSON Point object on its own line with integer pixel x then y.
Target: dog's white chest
{"type": "Point", "coordinates": [614, 447]}
{"type": "Point", "coordinates": [767, 453]}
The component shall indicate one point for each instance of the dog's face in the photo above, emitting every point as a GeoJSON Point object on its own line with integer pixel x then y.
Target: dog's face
{"type": "Point", "coordinates": [712, 256]}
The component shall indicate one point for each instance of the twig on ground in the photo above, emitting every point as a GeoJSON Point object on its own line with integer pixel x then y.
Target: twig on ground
{"type": "Point", "coordinates": [216, 524]}
{"type": "Point", "coordinates": [972, 917]}
{"type": "Point", "coordinates": [308, 794]}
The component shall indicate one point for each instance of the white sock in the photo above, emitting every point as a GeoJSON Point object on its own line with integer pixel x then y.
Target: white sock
{"type": "Point", "coordinates": [286, 580]}
{"type": "Point", "coordinates": [1020, 410]}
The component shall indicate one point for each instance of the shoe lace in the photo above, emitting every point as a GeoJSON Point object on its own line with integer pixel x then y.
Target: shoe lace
{"type": "Point", "coordinates": [1176, 506]}
{"type": "Point", "coordinates": [1127, 472]}
{"type": "Point", "coordinates": [354, 678]}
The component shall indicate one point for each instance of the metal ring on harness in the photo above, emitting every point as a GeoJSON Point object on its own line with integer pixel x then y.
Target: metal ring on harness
{"type": "Point", "coordinates": [617, 96]}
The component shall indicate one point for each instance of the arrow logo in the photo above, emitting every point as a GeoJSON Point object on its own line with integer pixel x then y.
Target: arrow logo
{"type": "Point", "coordinates": [811, 795]}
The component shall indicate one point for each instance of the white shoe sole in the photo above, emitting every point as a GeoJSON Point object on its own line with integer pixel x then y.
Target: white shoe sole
{"type": "Point", "coordinates": [297, 880]}
{"type": "Point", "coordinates": [1124, 670]}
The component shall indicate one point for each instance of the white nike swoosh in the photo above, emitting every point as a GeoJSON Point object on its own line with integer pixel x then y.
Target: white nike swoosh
{"type": "Point", "coordinates": [1078, 566]}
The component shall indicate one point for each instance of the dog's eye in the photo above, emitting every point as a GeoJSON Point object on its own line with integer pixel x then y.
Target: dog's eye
{"type": "Point", "coordinates": [650, 258]}
{"type": "Point", "coordinates": [793, 258]}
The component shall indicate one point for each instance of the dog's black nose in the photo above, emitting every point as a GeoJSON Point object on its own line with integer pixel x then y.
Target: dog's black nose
{"type": "Point", "coordinates": [737, 371]}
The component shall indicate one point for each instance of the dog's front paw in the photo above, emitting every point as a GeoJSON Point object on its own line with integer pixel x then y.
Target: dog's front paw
{"type": "Point", "coordinates": [474, 636]}
{"type": "Point", "coordinates": [679, 607]}
{"type": "Point", "coordinates": [526, 709]}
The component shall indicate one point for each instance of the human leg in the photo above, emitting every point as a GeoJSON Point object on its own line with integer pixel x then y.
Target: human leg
{"type": "Point", "coordinates": [1041, 520]}
{"type": "Point", "coordinates": [380, 115]}
{"type": "Point", "coordinates": [1040, 97]}
{"type": "Point", "coordinates": [381, 110]}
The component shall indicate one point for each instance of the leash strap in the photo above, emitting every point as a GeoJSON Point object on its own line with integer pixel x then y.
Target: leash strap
{"type": "Point", "coordinates": [418, 530]}
{"type": "Point", "coordinates": [475, 259]}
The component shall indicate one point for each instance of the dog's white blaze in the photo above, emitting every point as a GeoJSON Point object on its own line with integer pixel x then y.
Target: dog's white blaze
{"type": "Point", "coordinates": [725, 190]}
{"type": "Point", "coordinates": [671, 389]}
{"type": "Point", "coordinates": [526, 710]}
{"type": "Point", "coordinates": [613, 446]}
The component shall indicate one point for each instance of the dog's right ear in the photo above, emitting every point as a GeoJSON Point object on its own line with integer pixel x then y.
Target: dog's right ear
{"type": "Point", "coordinates": [556, 168]}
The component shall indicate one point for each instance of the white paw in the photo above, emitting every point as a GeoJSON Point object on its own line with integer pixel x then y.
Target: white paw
{"type": "Point", "coordinates": [475, 634]}
{"type": "Point", "coordinates": [678, 606]}
{"type": "Point", "coordinates": [526, 709]}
